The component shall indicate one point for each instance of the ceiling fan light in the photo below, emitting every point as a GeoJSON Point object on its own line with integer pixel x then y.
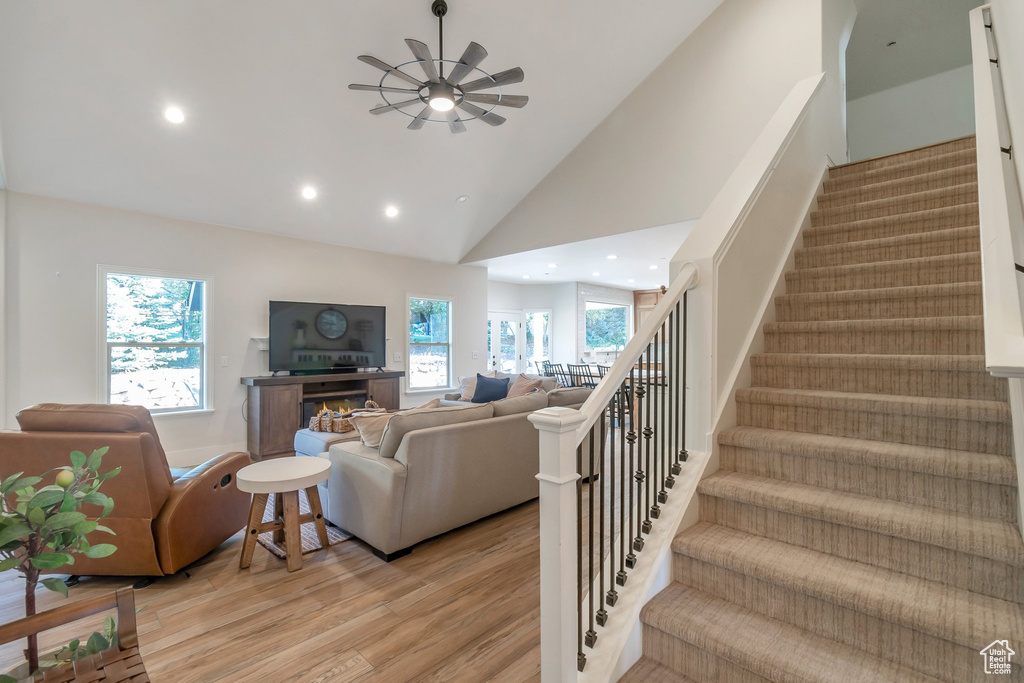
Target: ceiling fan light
{"type": "Point", "coordinates": [441, 103]}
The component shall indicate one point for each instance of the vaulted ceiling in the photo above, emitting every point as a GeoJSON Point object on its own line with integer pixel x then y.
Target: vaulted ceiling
{"type": "Point", "coordinates": [263, 85]}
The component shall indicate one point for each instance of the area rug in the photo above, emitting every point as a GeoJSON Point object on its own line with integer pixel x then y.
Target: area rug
{"type": "Point", "coordinates": [310, 540]}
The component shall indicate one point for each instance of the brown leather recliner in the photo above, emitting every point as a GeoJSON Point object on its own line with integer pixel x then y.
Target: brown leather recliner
{"type": "Point", "coordinates": [162, 524]}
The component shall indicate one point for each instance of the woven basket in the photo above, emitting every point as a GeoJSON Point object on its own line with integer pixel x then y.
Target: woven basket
{"type": "Point", "coordinates": [120, 664]}
{"type": "Point", "coordinates": [339, 423]}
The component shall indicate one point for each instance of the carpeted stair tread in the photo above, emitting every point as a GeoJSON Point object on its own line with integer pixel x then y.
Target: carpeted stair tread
{"type": "Point", "coordinates": [897, 336]}
{"type": "Point", "coordinates": [949, 613]}
{"type": "Point", "coordinates": [904, 169]}
{"type": "Point", "coordinates": [914, 245]}
{"type": "Point", "coordinates": [646, 670]}
{"type": "Point", "coordinates": [767, 647]}
{"type": "Point", "coordinates": [954, 195]}
{"type": "Point", "coordinates": [884, 294]}
{"type": "Point", "coordinates": [899, 158]}
{"type": "Point", "coordinates": [943, 462]}
{"type": "Point", "coordinates": [929, 270]}
{"type": "Point", "coordinates": [896, 188]}
{"type": "Point", "coordinates": [987, 537]}
{"type": "Point", "coordinates": [908, 223]}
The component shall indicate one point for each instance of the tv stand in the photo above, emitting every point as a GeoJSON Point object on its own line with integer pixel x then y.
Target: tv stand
{"type": "Point", "coordinates": [274, 403]}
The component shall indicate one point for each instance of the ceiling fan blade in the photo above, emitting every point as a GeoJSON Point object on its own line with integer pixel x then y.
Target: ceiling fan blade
{"type": "Point", "coordinates": [473, 55]}
{"type": "Point", "coordinates": [509, 77]}
{"type": "Point", "coordinates": [455, 123]}
{"type": "Point", "coordinates": [421, 52]}
{"type": "Point", "coordinates": [517, 101]}
{"type": "Point", "coordinates": [379, 88]}
{"type": "Point", "coordinates": [420, 119]}
{"type": "Point", "coordinates": [397, 105]}
{"type": "Point", "coordinates": [487, 117]}
{"type": "Point", "coordinates": [373, 61]}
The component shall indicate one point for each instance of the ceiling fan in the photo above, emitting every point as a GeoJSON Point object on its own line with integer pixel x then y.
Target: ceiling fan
{"type": "Point", "coordinates": [440, 93]}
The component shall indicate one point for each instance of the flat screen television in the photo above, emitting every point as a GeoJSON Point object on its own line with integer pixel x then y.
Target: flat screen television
{"type": "Point", "coordinates": [307, 337]}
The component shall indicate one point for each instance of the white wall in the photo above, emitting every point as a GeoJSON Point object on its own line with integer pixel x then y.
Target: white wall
{"type": "Point", "coordinates": [663, 153]}
{"type": "Point", "coordinates": [923, 112]}
{"type": "Point", "coordinates": [559, 298]}
{"type": "Point", "coordinates": [52, 350]}
{"type": "Point", "coordinates": [3, 306]}
{"type": "Point", "coordinates": [1008, 23]}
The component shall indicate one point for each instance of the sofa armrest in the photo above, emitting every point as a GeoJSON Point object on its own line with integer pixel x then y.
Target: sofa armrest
{"type": "Point", "coordinates": [455, 396]}
{"type": "Point", "coordinates": [204, 508]}
{"type": "Point", "coordinates": [366, 494]}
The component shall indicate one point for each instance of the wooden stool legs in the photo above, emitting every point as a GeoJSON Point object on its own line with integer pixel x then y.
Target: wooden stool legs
{"type": "Point", "coordinates": [285, 525]}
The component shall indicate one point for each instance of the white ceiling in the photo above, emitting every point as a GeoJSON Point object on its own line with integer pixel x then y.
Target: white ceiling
{"type": "Point", "coordinates": [263, 84]}
{"type": "Point", "coordinates": [931, 36]}
{"type": "Point", "coordinates": [635, 253]}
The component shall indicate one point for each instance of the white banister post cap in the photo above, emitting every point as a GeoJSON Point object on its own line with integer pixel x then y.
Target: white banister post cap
{"type": "Point", "coordinates": [556, 419]}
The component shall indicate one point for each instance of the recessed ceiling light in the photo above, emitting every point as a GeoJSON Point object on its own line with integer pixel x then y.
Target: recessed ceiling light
{"type": "Point", "coordinates": [174, 114]}
{"type": "Point", "coordinates": [596, 274]}
{"type": "Point", "coordinates": [462, 199]}
{"type": "Point", "coordinates": [612, 257]}
{"type": "Point", "coordinates": [526, 277]}
{"type": "Point", "coordinates": [630, 281]}
{"type": "Point", "coordinates": [552, 265]}
{"type": "Point", "coordinates": [890, 43]}
{"type": "Point", "coordinates": [391, 211]}
{"type": "Point", "coordinates": [309, 192]}
{"type": "Point", "coordinates": [653, 267]}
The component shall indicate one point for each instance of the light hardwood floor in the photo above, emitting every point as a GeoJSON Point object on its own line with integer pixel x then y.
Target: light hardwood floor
{"type": "Point", "coordinates": [462, 607]}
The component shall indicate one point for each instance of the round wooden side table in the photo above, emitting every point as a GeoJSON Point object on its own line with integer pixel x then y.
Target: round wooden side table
{"type": "Point", "coordinates": [282, 478]}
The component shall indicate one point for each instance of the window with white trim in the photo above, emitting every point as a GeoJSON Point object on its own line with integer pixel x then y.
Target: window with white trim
{"type": "Point", "coordinates": [155, 332]}
{"type": "Point", "coordinates": [430, 346]}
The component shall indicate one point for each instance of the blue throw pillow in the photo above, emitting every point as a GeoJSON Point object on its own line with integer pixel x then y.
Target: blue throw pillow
{"type": "Point", "coordinates": [490, 389]}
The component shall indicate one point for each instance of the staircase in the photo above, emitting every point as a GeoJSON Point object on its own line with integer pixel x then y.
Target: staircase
{"type": "Point", "coordinates": [862, 524]}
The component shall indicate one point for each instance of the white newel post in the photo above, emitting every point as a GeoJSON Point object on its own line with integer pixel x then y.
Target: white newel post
{"type": "Point", "coordinates": [558, 620]}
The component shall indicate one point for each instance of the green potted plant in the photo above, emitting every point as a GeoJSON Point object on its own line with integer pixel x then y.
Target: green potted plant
{"type": "Point", "coordinates": [44, 528]}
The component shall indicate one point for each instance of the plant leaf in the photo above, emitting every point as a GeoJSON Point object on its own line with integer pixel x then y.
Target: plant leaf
{"type": "Point", "coordinates": [64, 520]}
{"type": "Point", "coordinates": [100, 527]}
{"type": "Point", "coordinates": [7, 679]}
{"type": "Point", "coordinates": [14, 532]}
{"type": "Point", "coordinates": [97, 643]}
{"type": "Point", "coordinates": [96, 498]}
{"type": "Point", "coordinates": [70, 502]}
{"type": "Point", "coordinates": [56, 585]}
{"type": "Point", "coordinates": [78, 458]}
{"type": "Point", "coordinates": [6, 483]}
{"type": "Point", "coordinates": [93, 463]}
{"type": "Point", "coordinates": [36, 516]}
{"type": "Point", "coordinates": [23, 483]}
{"type": "Point", "coordinates": [84, 527]}
{"type": "Point", "coordinates": [100, 550]}
{"type": "Point", "coordinates": [9, 563]}
{"type": "Point", "coordinates": [45, 499]}
{"type": "Point", "coordinates": [51, 560]}
{"type": "Point", "coordinates": [109, 475]}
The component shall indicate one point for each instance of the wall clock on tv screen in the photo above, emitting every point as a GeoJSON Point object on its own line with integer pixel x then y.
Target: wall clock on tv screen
{"type": "Point", "coordinates": [331, 324]}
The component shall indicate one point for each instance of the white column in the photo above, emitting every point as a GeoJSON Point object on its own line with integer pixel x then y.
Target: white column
{"type": "Point", "coordinates": [558, 620]}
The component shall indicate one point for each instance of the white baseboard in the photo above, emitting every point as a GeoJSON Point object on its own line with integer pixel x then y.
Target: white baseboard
{"type": "Point", "coordinates": [197, 456]}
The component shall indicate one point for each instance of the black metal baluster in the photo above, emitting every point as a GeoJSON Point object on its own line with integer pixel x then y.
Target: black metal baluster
{"type": "Point", "coordinates": [591, 636]}
{"type": "Point", "coordinates": [648, 433]}
{"type": "Point", "coordinates": [679, 388]}
{"type": "Point", "coordinates": [581, 659]}
{"type": "Point", "coordinates": [673, 405]}
{"type": "Point", "coordinates": [663, 417]}
{"type": "Point", "coordinates": [620, 577]}
{"type": "Point", "coordinates": [635, 423]}
{"type": "Point", "coordinates": [682, 389]}
{"type": "Point", "coordinates": [602, 614]}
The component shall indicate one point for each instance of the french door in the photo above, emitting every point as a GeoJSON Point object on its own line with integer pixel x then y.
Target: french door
{"type": "Point", "coordinates": [506, 341]}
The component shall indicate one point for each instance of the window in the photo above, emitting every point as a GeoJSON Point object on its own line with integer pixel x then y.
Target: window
{"type": "Point", "coordinates": [155, 334]}
{"type": "Point", "coordinates": [607, 326]}
{"type": "Point", "coordinates": [538, 338]}
{"type": "Point", "coordinates": [430, 348]}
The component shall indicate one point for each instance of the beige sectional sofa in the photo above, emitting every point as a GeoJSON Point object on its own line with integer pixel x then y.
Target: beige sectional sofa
{"type": "Point", "coordinates": [437, 470]}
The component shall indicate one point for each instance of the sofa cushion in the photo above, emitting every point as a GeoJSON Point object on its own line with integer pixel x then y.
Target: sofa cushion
{"type": "Point", "coordinates": [309, 442]}
{"type": "Point", "coordinates": [527, 403]}
{"type": "Point", "coordinates": [402, 423]}
{"type": "Point", "coordinates": [467, 385]}
{"type": "Point", "coordinates": [371, 426]}
{"type": "Point", "coordinates": [523, 385]}
{"type": "Point", "coordinates": [546, 383]}
{"type": "Point", "coordinates": [568, 396]}
{"type": "Point", "coordinates": [490, 389]}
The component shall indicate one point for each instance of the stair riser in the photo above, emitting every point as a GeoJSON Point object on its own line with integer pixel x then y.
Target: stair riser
{"type": "Point", "coordinates": [959, 495]}
{"type": "Point", "coordinates": [963, 145]}
{"type": "Point", "coordinates": [693, 662]}
{"type": "Point", "coordinates": [965, 268]}
{"type": "Point", "coordinates": [884, 639]}
{"type": "Point", "coordinates": [789, 309]}
{"type": "Point", "coordinates": [904, 382]}
{"type": "Point", "coordinates": [926, 561]}
{"type": "Point", "coordinates": [905, 170]}
{"type": "Point", "coordinates": [897, 188]}
{"type": "Point", "coordinates": [955, 342]}
{"type": "Point", "coordinates": [925, 201]}
{"type": "Point", "coordinates": [961, 216]}
{"type": "Point", "coordinates": [940, 432]}
{"type": "Point", "coordinates": [847, 255]}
